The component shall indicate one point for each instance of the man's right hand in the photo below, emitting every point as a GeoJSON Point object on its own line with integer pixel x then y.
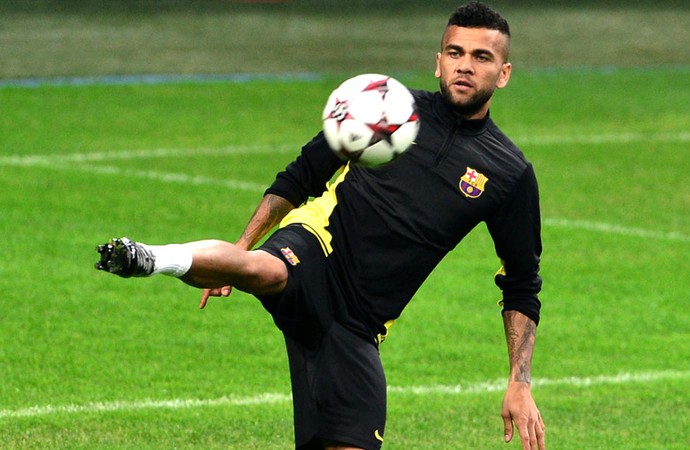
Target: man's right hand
{"type": "Point", "coordinates": [215, 292]}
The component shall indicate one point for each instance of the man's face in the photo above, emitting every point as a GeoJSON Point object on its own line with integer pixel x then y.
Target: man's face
{"type": "Point", "coordinates": [471, 66]}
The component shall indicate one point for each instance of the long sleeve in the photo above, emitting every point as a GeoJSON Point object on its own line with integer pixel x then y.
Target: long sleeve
{"type": "Point", "coordinates": [307, 175]}
{"type": "Point", "coordinates": [516, 231]}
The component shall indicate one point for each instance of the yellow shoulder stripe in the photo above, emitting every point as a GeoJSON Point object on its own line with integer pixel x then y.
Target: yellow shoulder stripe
{"type": "Point", "coordinates": [315, 215]}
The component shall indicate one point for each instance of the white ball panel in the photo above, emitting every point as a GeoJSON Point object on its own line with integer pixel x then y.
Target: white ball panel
{"type": "Point", "coordinates": [354, 135]}
{"type": "Point", "coordinates": [330, 131]}
{"type": "Point", "coordinates": [399, 106]}
{"type": "Point", "coordinates": [405, 136]}
{"type": "Point", "coordinates": [379, 153]}
{"type": "Point", "coordinates": [367, 107]}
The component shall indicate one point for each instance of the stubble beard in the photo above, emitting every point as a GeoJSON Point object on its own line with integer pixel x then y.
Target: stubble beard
{"type": "Point", "coordinates": [469, 107]}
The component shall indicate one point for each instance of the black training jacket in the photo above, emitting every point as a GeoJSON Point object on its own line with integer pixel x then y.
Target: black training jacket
{"type": "Point", "coordinates": [384, 229]}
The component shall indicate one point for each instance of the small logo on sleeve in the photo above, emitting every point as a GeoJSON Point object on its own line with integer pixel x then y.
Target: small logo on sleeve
{"type": "Point", "coordinates": [289, 256]}
{"type": "Point", "coordinates": [472, 183]}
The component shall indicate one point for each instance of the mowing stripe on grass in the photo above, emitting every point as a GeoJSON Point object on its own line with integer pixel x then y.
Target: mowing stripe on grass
{"type": "Point", "coordinates": [272, 398]}
{"type": "Point", "coordinates": [158, 79]}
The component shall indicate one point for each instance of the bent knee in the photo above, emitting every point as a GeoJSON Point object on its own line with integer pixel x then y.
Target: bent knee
{"type": "Point", "coordinates": [267, 274]}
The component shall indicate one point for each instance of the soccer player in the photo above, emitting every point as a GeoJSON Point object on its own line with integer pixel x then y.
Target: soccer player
{"type": "Point", "coordinates": [342, 266]}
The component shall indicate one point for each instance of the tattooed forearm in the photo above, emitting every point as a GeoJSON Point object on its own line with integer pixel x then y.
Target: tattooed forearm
{"type": "Point", "coordinates": [268, 214]}
{"type": "Point", "coordinates": [520, 334]}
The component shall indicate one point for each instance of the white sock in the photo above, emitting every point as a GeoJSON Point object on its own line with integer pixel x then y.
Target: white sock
{"type": "Point", "coordinates": [173, 259]}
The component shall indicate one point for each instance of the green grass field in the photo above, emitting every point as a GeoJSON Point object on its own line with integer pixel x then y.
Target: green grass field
{"type": "Point", "coordinates": [92, 361]}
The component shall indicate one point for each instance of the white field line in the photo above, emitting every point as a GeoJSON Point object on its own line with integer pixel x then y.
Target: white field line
{"type": "Point", "coordinates": [87, 162]}
{"type": "Point", "coordinates": [99, 407]}
{"type": "Point", "coordinates": [500, 385]}
{"type": "Point", "coordinates": [606, 138]}
{"type": "Point", "coordinates": [164, 177]}
{"type": "Point", "coordinates": [122, 155]}
{"type": "Point", "coordinates": [181, 178]}
{"type": "Point", "coordinates": [84, 162]}
{"type": "Point", "coordinates": [155, 153]}
{"type": "Point", "coordinates": [86, 157]}
{"type": "Point", "coordinates": [272, 398]}
{"type": "Point", "coordinates": [607, 228]}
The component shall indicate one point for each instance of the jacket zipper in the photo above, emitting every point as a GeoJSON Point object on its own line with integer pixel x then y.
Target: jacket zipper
{"type": "Point", "coordinates": [447, 144]}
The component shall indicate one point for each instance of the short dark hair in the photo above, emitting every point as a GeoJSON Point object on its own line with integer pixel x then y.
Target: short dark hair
{"type": "Point", "coordinates": [479, 15]}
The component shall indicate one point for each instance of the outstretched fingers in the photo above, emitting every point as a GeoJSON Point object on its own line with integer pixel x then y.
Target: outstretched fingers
{"type": "Point", "coordinates": [532, 434]}
{"type": "Point", "coordinates": [520, 412]}
{"type": "Point", "coordinates": [216, 292]}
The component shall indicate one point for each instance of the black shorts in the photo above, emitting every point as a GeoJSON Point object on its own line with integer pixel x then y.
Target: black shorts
{"type": "Point", "coordinates": [338, 383]}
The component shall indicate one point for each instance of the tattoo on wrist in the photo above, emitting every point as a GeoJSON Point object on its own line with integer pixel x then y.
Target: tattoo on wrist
{"type": "Point", "coordinates": [520, 333]}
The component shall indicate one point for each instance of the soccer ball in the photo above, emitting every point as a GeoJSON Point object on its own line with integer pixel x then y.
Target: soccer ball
{"type": "Point", "coordinates": [370, 120]}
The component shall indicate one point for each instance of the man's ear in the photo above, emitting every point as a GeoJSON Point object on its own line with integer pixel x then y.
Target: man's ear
{"type": "Point", "coordinates": [504, 76]}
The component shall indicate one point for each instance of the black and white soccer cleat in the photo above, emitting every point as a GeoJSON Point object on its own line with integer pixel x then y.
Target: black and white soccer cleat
{"type": "Point", "coordinates": [125, 258]}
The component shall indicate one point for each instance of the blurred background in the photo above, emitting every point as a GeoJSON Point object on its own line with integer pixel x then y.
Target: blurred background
{"type": "Point", "coordinates": [68, 38]}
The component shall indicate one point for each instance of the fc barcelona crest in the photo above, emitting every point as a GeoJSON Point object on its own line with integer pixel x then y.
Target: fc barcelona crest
{"type": "Point", "coordinates": [290, 256]}
{"type": "Point", "coordinates": [472, 183]}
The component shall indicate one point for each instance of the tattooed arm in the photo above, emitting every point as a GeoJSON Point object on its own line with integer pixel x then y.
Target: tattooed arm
{"type": "Point", "coordinates": [518, 405]}
{"type": "Point", "coordinates": [267, 215]}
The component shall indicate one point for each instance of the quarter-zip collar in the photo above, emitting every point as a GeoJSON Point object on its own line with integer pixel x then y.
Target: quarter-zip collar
{"type": "Point", "coordinates": [445, 112]}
